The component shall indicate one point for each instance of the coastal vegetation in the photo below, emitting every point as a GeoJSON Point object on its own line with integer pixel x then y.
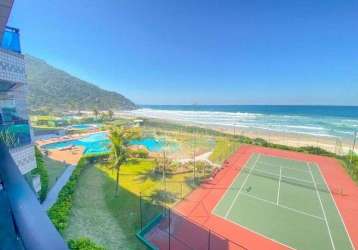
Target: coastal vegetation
{"type": "Point", "coordinates": [350, 162]}
{"type": "Point", "coordinates": [56, 121]}
{"type": "Point", "coordinates": [41, 170]}
{"type": "Point", "coordinates": [225, 141]}
{"type": "Point", "coordinates": [51, 89]}
{"type": "Point", "coordinates": [224, 148]}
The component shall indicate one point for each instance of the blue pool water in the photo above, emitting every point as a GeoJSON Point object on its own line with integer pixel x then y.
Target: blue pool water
{"type": "Point", "coordinates": [99, 143]}
{"type": "Point", "coordinates": [150, 143]}
{"type": "Point", "coordinates": [82, 126]}
{"type": "Point", "coordinates": [95, 143]}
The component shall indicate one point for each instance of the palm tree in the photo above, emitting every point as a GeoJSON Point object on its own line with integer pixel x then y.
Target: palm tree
{"type": "Point", "coordinates": [102, 116]}
{"type": "Point", "coordinates": [110, 114]}
{"type": "Point", "coordinates": [72, 105]}
{"type": "Point", "coordinates": [119, 153]}
{"type": "Point", "coordinates": [96, 113]}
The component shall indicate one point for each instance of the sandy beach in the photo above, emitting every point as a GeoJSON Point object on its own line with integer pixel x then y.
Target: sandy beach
{"type": "Point", "coordinates": [290, 139]}
{"type": "Point", "coordinates": [331, 144]}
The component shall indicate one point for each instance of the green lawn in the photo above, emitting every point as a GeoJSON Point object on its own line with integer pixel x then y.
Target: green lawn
{"type": "Point", "coordinates": [110, 220]}
{"type": "Point", "coordinates": [137, 177]}
{"type": "Point", "coordinates": [55, 170]}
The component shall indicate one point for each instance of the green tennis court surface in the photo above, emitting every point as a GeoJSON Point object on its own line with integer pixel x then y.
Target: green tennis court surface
{"type": "Point", "coordinates": [286, 201]}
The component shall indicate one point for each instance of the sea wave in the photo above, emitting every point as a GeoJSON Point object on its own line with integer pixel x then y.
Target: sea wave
{"type": "Point", "coordinates": [316, 126]}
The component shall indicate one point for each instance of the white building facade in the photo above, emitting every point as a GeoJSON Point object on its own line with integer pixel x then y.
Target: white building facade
{"type": "Point", "coordinates": [15, 130]}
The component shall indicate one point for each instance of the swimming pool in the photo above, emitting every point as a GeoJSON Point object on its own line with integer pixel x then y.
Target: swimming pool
{"type": "Point", "coordinates": [82, 126]}
{"type": "Point", "coordinates": [94, 143]}
{"type": "Point", "coordinates": [99, 143]}
{"type": "Point", "coordinates": [150, 143]}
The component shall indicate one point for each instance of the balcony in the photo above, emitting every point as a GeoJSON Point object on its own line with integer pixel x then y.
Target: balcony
{"type": "Point", "coordinates": [25, 224]}
{"type": "Point", "coordinates": [11, 40]}
{"type": "Point", "coordinates": [16, 134]}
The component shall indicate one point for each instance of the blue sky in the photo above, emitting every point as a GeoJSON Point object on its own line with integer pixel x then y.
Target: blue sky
{"type": "Point", "coordinates": [206, 52]}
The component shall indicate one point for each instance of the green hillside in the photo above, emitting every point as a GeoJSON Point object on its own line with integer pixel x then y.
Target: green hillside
{"type": "Point", "coordinates": [54, 89]}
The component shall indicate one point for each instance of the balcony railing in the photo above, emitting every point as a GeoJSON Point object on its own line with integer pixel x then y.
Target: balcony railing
{"type": "Point", "coordinates": [11, 40]}
{"type": "Point", "coordinates": [33, 227]}
{"type": "Point", "coordinates": [16, 134]}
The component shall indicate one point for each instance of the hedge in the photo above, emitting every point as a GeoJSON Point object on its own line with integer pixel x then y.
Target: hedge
{"type": "Point", "coordinates": [139, 153]}
{"type": "Point", "coordinates": [59, 213]}
{"type": "Point", "coordinates": [41, 170]}
{"type": "Point", "coordinates": [83, 244]}
{"type": "Point", "coordinates": [350, 162]}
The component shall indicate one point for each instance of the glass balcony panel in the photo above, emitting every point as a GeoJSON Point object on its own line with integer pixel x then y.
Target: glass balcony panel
{"type": "Point", "coordinates": [15, 135]}
{"type": "Point", "coordinates": [11, 40]}
{"type": "Point", "coordinates": [6, 86]}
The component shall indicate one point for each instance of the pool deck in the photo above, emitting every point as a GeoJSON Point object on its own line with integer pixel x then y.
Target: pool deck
{"type": "Point", "coordinates": [68, 156]}
{"type": "Point", "coordinates": [41, 143]}
{"type": "Point", "coordinates": [71, 155]}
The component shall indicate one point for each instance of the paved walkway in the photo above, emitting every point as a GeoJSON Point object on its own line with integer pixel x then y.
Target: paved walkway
{"type": "Point", "coordinates": [56, 189]}
{"type": "Point", "coordinates": [202, 157]}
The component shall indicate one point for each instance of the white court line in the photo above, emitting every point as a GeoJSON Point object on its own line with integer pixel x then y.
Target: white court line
{"type": "Point", "coordinates": [232, 183]}
{"type": "Point", "coordinates": [284, 176]}
{"type": "Point", "coordinates": [275, 165]}
{"type": "Point", "coordinates": [303, 162]}
{"type": "Point", "coordinates": [283, 206]}
{"type": "Point", "coordinates": [334, 202]}
{"type": "Point", "coordinates": [242, 185]}
{"type": "Point", "coordinates": [324, 212]}
{"type": "Point", "coordinates": [279, 186]}
{"type": "Point", "coordinates": [252, 231]}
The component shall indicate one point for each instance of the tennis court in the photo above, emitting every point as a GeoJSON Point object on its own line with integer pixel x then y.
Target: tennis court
{"type": "Point", "coordinates": [286, 201]}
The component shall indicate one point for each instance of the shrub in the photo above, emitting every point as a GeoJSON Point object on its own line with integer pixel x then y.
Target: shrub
{"type": "Point", "coordinates": [41, 170]}
{"type": "Point", "coordinates": [59, 213]}
{"type": "Point", "coordinates": [350, 162]}
{"type": "Point", "coordinates": [223, 149]}
{"type": "Point", "coordinates": [83, 244]}
{"type": "Point", "coordinates": [138, 153]}
{"type": "Point", "coordinates": [316, 151]}
{"type": "Point", "coordinates": [260, 142]}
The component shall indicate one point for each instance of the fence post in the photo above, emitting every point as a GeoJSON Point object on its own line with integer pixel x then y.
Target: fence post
{"type": "Point", "coordinates": [209, 239]}
{"type": "Point", "coordinates": [169, 226]}
{"type": "Point", "coordinates": [181, 190]}
{"type": "Point", "coordinates": [353, 147]}
{"type": "Point", "coordinates": [140, 211]}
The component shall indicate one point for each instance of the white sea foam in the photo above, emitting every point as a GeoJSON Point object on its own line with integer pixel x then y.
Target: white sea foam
{"type": "Point", "coordinates": [326, 127]}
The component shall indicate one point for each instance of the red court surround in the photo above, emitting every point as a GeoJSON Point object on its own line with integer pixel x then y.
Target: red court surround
{"type": "Point", "coordinates": [198, 205]}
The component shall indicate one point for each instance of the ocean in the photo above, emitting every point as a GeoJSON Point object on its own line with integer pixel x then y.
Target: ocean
{"type": "Point", "coordinates": [323, 121]}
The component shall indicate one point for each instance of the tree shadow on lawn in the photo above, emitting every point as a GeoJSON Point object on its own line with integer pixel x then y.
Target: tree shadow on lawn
{"type": "Point", "coordinates": [125, 208]}
{"type": "Point", "coordinates": [133, 162]}
{"type": "Point", "coordinates": [109, 220]}
{"type": "Point", "coordinates": [131, 214]}
{"type": "Point", "coordinates": [163, 196]}
{"type": "Point", "coordinates": [194, 183]}
{"type": "Point", "coordinates": [150, 175]}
